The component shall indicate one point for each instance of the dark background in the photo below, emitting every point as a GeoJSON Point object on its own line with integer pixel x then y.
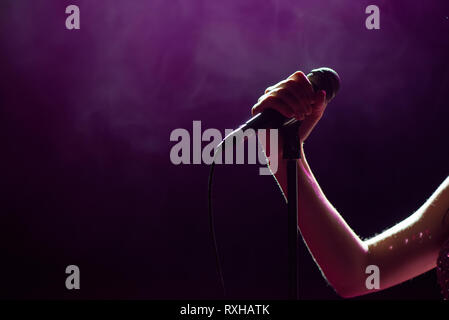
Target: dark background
{"type": "Point", "coordinates": [86, 116]}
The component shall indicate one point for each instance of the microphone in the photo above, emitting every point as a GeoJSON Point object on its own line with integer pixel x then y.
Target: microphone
{"type": "Point", "coordinates": [321, 79]}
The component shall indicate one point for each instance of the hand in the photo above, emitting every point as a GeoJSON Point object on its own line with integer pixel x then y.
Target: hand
{"type": "Point", "coordinates": [295, 98]}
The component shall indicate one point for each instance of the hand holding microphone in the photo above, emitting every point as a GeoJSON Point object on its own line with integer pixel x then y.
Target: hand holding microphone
{"type": "Point", "coordinates": [300, 97]}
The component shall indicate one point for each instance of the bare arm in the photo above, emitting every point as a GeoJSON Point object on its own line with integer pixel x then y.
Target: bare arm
{"type": "Point", "coordinates": [402, 252]}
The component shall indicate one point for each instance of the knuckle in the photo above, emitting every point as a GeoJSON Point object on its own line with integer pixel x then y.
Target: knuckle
{"type": "Point", "coordinates": [290, 83]}
{"type": "Point", "coordinates": [275, 102]}
{"type": "Point", "coordinates": [270, 99]}
{"type": "Point", "coordinates": [277, 93]}
{"type": "Point", "coordinates": [281, 94]}
{"type": "Point", "coordinates": [301, 78]}
{"type": "Point", "coordinates": [299, 74]}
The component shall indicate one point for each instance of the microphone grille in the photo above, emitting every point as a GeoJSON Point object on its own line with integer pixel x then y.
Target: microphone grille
{"type": "Point", "coordinates": [325, 79]}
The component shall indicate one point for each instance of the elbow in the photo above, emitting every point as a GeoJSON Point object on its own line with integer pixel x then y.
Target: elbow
{"type": "Point", "coordinates": [355, 280]}
{"type": "Point", "coordinates": [348, 287]}
{"type": "Point", "coordinates": [345, 287]}
{"type": "Point", "coordinates": [354, 287]}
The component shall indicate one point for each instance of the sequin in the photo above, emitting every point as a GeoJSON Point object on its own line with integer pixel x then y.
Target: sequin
{"type": "Point", "coordinates": [442, 270]}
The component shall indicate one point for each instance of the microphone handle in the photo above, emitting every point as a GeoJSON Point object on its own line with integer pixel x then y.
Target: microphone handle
{"type": "Point", "coordinates": [270, 118]}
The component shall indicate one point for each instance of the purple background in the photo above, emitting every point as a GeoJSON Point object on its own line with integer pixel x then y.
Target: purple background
{"type": "Point", "coordinates": [86, 117]}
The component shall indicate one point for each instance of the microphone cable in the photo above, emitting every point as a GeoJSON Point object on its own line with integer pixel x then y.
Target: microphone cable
{"type": "Point", "coordinates": [211, 222]}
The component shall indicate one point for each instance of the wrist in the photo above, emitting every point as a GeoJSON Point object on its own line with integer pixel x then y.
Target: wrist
{"type": "Point", "coordinates": [302, 161]}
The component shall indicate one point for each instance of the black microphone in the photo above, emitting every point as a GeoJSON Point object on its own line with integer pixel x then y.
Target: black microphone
{"type": "Point", "coordinates": [321, 79]}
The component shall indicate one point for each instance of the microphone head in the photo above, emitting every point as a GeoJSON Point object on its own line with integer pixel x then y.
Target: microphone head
{"type": "Point", "coordinates": [325, 79]}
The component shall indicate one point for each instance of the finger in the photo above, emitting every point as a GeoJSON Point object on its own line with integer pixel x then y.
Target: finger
{"type": "Point", "coordinates": [299, 90]}
{"type": "Point", "coordinates": [298, 103]}
{"type": "Point", "coordinates": [302, 92]}
{"type": "Point", "coordinates": [302, 86]}
{"type": "Point", "coordinates": [304, 104]}
{"type": "Point", "coordinates": [298, 77]}
{"type": "Point", "coordinates": [271, 102]}
{"type": "Point", "coordinates": [286, 96]}
{"type": "Point", "coordinates": [283, 94]}
{"type": "Point", "coordinates": [277, 85]}
{"type": "Point", "coordinates": [301, 78]}
{"type": "Point", "coordinates": [300, 108]}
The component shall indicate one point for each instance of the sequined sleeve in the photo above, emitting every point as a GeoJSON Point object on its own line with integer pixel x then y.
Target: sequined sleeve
{"type": "Point", "coordinates": [443, 270]}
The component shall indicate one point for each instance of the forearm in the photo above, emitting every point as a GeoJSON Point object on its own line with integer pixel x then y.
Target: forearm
{"type": "Point", "coordinates": [338, 251]}
{"type": "Point", "coordinates": [402, 252]}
